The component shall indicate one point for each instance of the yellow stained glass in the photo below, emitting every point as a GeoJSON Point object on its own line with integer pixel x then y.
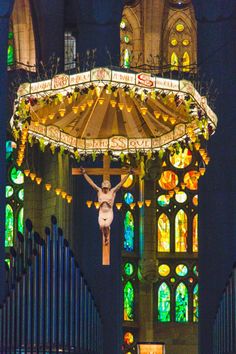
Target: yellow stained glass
{"type": "Point", "coordinates": [191, 180]}
{"type": "Point", "coordinates": [174, 42]}
{"type": "Point", "coordinates": [179, 27]}
{"type": "Point", "coordinates": [174, 60]}
{"type": "Point", "coordinates": [195, 233]}
{"type": "Point", "coordinates": [195, 200]}
{"type": "Point", "coordinates": [164, 270]}
{"type": "Point", "coordinates": [185, 42]}
{"type": "Point", "coordinates": [181, 197]}
{"type": "Point", "coordinates": [128, 183]}
{"type": "Point", "coordinates": [163, 233]}
{"type": "Point", "coordinates": [181, 231]}
{"type": "Point", "coordinates": [182, 159]}
{"type": "Point", "coordinates": [186, 61]}
{"type": "Point", "coordinates": [168, 180]}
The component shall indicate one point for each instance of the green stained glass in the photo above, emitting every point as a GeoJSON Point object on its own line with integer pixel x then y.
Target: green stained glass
{"type": "Point", "coordinates": [164, 303]}
{"type": "Point", "coordinates": [127, 58]}
{"type": "Point", "coordinates": [8, 261]}
{"type": "Point", "coordinates": [195, 303]}
{"type": "Point", "coordinates": [10, 35]}
{"type": "Point", "coordinates": [129, 232]}
{"type": "Point", "coordinates": [9, 225]}
{"type": "Point", "coordinates": [163, 200]}
{"type": "Point", "coordinates": [126, 39]}
{"type": "Point", "coordinates": [17, 176]}
{"type": "Point", "coordinates": [10, 55]}
{"type": "Point", "coordinates": [181, 270]}
{"type": "Point", "coordinates": [128, 302]}
{"type": "Point", "coordinates": [128, 198]}
{"type": "Point", "coordinates": [181, 303]}
{"type": "Point", "coordinates": [20, 221]}
{"type": "Point", "coordinates": [195, 270]}
{"type": "Point", "coordinates": [21, 194]}
{"type": "Point", "coordinates": [129, 268]}
{"type": "Point", "coordinates": [9, 191]}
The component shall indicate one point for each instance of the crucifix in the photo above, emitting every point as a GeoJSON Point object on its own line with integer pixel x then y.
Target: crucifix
{"type": "Point", "coordinates": [106, 196]}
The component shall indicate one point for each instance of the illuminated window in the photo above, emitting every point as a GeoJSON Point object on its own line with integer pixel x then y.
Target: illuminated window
{"type": "Point", "coordinates": [164, 303]}
{"type": "Point", "coordinates": [186, 61]}
{"type": "Point", "coordinates": [10, 49]}
{"type": "Point", "coordinates": [179, 27]}
{"type": "Point", "coordinates": [168, 180]}
{"type": "Point", "coordinates": [174, 61]}
{"type": "Point", "coordinates": [181, 303]}
{"type": "Point", "coordinates": [128, 302]}
{"type": "Point", "coordinates": [181, 270]}
{"type": "Point", "coordinates": [195, 303]}
{"type": "Point", "coordinates": [69, 51]}
{"type": "Point", "coordinates": [126, 58]}
{"type": "Point", "coordinates": [195, 233]}
{"type": "Point", "coordinates": [163, 233]}
{"type": "Point", "coordinates": [181, 231]}
{"type": "Point", "coordinates": [181, 159]}
{"type": "Point", "coordinates": [128, 183]}
{"type": "Point", "coordinates": [129, 232]}
{"type": "Point", "coordinates": [174, 42]}
{"type": "Point", "coordinates": [9, 226]}
{"type": "Point", "coordinates": [163, 200]}
{"type": "Point", "coordinates": [191, 180]}
{"type": "Point", "coordinates": [164, 270]}
{"type": "Point", "coordinates": [126, 45]}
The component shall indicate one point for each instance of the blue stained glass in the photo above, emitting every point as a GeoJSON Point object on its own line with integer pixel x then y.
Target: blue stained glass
{"type": "Point", "coordinates": [128, 198]}
{"type": "Point", "coordinates": [129, 232]}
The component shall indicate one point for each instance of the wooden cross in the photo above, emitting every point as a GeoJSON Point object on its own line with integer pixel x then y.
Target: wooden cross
{"type": "Point", "coordinates": [106, 171]}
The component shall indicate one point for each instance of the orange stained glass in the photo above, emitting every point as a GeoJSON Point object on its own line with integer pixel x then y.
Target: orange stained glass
{"type": "Point", "coordinates": [191, 180]}
{"type": "Point", "coordinates": [195, 200]}
{"type": "Point", "coordinates": [195, 233]}
{"type": "Point", "coordinates": [174, 61]}
{"type": "Point", "coordinates": [128, 338]}
{"type": "Point", "coordinates": [163, 233]}
{"type": "Point", "coordinates": [186, 61]}
{"type": "Point", "coordinates": [168, 180]}
{"type": "Point", "coordinates": [182, 159]}
{"type": "Point", "coordinates": [181, 231]}
{"type": "Point", "coordinates": [128, 183]}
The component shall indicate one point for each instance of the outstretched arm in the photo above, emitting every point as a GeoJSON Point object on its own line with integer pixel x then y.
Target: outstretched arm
{"type": "Point", "coordinates": [89, 180]}
{"type": "Point", "coordinates": [119, 185]}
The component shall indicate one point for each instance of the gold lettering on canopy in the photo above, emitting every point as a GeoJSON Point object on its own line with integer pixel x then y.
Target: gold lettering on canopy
{"type": "Point", "coordinates": [60, 81]}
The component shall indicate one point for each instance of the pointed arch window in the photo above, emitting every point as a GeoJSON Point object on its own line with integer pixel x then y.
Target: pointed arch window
{"type": "Point", "coordinates": [174, 61]}
{"type": "Point", "coordinates": [181, 303]}
{"type": "Point", "coordinates": [164, 303]}
{"type": "Point", "coordinates": [9, 226]}
{"type": "Point", "coordinates": [129, 232]}
{"type": "Point", "coordinates": [195, 303]}
{"type": "Point", "coordinates": [69, 50]}
{"type": "Point", "coordinates": [186, 62]}
{"type": "Point", "coordinates": [129, 302]}
{"type": "Point", "coordinates": [181, 231]}
{"type": "Point", "coordinates": [126, 42]}
{"type": "Point", "coordinates": [195, 233]}
{"type": "Point", "coordinates": [163, 233]}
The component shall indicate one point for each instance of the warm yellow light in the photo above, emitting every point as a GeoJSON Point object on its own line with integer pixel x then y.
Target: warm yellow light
{"type": "Point", "coordinates": [19, 162]}
{"type": "Point", "coordinates": [69, 198]}
{"type": "Point", "coordinates": [58, 191]}
{"type": "Point", "coordinates": [202, 152]}
{"type": "Point", "coordinates": [118, 205]}
{"type": "Point", "coordinates": [172, 120]}
{"type": "Point", "coordinates": [132, 205]}
{"type": "Point", "coordinates": [38, 180]}
{"type": "Point", "coordinates": [51, 116]}
{"type": "Point", "coordinates": [129, 108]}
{"type": "Point", "coordinates": [89, 203]}
{"type": "Point", "coordinates": [97, 205]}
{"type": "Point", "coordinates": [157, 114]}
{"type": "Point", "coordinates": [90, 103]}
{"type": "Point", "coordinates": [44, 120]}
{"type": "Point", "coordinates": [148, 202]}
{"type": "Point", "coordinates": [75, 109]}
{"type": "Point", "coordinates": [63, 194]}
{"type": "Point", "coordinates": [27, 173]}
{"type": "Point", "coordinates": [101, 100]}
{"type": "Point", "coordinates": [177, 189]}
{"type": "Point", "coordinates": [36, 123]}
{"type": "Point", "coordinates": [140, 203]}
{"type": "Point", "coordinates": [143, 110]}
{"type": "Point", "coordinates": [197, 146]}
{"type": "Point", "coordinates": [121, 106]}
{"type": "Point", "coordinates": [113, 103]}
{"type": "Point", "coordinates": [171, 193]}
{"type": "Point", "coordinates": [62, 111]}
{"type": "Point", "coordinates": [202, 170]}
{"type": "Point", "coordinates": [48, 186]}
{"type": "Point", "coordinates": [207, 160]}
{"type": "Point", "coordinates": [83, 107]}
{"type": "Point", "coordinates": [32, 176]}
{"type": "Point", "coordinates": [182, 185]}
{"type": "Point", "coordinates": [165, 117]}
{"type": "Point", "coordinates": [70, 98]}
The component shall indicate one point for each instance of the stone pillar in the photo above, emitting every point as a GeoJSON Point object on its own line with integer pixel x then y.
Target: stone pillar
{"type": "Point", "coordinates": [148, 265]}
{"type": "Point", "coordinates": [98, 24]}
{"type": "Point", "coordinates": [217, 192]}
{"type": "Point", "coordinates": [5, 12]}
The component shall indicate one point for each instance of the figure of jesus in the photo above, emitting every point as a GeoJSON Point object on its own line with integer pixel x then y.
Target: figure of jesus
{"type": "Point", "coordinates": [106, 198]}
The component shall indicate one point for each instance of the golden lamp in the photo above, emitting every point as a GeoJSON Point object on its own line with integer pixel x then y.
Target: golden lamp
{"type": "Point", "coordinates": [32, 176]}
{"type": "Point", "coordinates": [143, 110]}
{"type": "Point", "coordinates": [165, 117]}
{"type": "Point", "coordinates": [58, 191]}
{"type": "Point", "coordinates": [140, 204]}
{"type": "Point", "coordinates": [27, 172]}
{"type": "Point", "coordinates": [157, 114]}
{"type": "Point", "coordinates": [118, 206]}
{"type": "Point", "coordinates": [113, 103]}
{"type": "Point", "coordinates": [62, 112]}
{"type": "Point", "coordinates": [48, 186]}
{"type": "Point", "coordinates": [121, 106]}
{"type": "Point", "coordinates": [63, 194]}
{"type": "Point", "coordinates": [148, 202]}
{"type": "Point", "coordinates": [69, 198]}
{"type": "Point", "coordinates": [75, 109]}
{"type": "Point", "coordinates": [129, 108]}
{"type": "Point", "coordinates": [38, 180]}
{"type": "Point", "coordinates": [101, 100]}
{"type": "Point", "coordinates": [97, 205]}
{"type": "Point", "coordinates": [51, 116]}
{"type": "Point", "coordinates": [89, 203]}
{"type": "Point", "coordinates": [132, 206]}
{"type": "Point", "coordinates": [202, 170]}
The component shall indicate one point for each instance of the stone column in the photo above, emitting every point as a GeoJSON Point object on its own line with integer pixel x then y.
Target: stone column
{"type": "Point", "coordinates": [217, 193]}
{"type": "Point", "coordinates": [98, 24]}
{"type": "Point", "coordinates": [5, 12]}
{"type": "Point", "coordinates": [148, 265]}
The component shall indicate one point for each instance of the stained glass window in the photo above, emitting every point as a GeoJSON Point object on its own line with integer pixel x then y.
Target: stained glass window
{"type": "Point", "coordinates": [195, 303]}
{"type": "Point", "coordinates": [129, 232]}
{"type": "Point", "coordinates": [129, 268]}
{"type": "Point", "coordinates": [181, 303]}
{"type": "Point", "coordinates": [186, 61]}
{"type": "Point", "coordinates": [128, 198]}
{"type": "Point", "coordinates": [163, 233]}
{"type": "Point", "coordinates": [9, 226]}
{"type": "Point", "coordinates": [195, 200]}
{"type": "Point", "coordinates": [191, 180]}
{"type": "Point", "coordinates": [128, 302]}
{"type": "Point", "coordinates": [181, 197]}
{"type": "Point", "coordinates": [126, 45]}
{"type": "Point", "coordinates": [127, 58]}
{"type": "Point", "coordinates": [195, 233]}
{"type": "Point", "coordinates": [168, 180]}
{"type": "Point", "coordinates": [9, 191]}
{"type": "Point", "coordinates": [128, 338]}
{"type": "Point", "coordinates": [181, 270]}
{"type": "Point", "coordinates": [21, 220]}
{"type": "Point", "coordinates": [181, 231]}
{"type": "Point", "coordinates": [69, 50]}
{"type": "Point", "coordinates": [17, 176]}
{"type": "Point", "coordinates": [181, 159]}
{"type": "Point", "coordinates": [164, 303]}
{"type": "Point", "coordinates": [21, 194]}
{"type": "Point", "coordinates": [164, 270]}
{"type": "Point", "coordinates": [163, 200]}
{"type": "Point", "coordinates": [10, 50]}
{"type": "Point", "coordinates": [128, 183]}
{"type": "Point", "coordinates": [174, 61]}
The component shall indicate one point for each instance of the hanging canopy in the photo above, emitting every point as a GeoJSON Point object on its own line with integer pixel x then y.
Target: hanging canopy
{"type": "Point", "coordinates": [107, 110]}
